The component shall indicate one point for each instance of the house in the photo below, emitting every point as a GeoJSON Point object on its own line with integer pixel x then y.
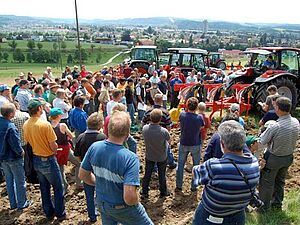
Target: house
{"type": "Point", "coordinates": [104, 40]}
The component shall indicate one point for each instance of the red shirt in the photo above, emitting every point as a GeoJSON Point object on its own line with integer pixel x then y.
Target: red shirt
{"type": "Point", "coordinates": [83, 73]}
{"type": "Point", "coordinates": [207, 124]}
{"type": "Point", "coordinates": [182, 77]}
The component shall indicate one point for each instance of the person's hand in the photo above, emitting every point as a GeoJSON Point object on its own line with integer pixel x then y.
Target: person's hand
{"type": "Point", "coordinates": [262, 163]}
{"type": "Point", "coordinates": [23, 153]}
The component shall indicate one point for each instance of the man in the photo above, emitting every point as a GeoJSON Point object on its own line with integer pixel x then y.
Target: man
{"type": "Point", "coordinates": [77, 117]}
{"type": "Point", "coordinates": [23, 95]}
{"type": "Point", "coordinates": [190, 140]}
{"type": "Point", "coordinates": [75, 72]}
{"type": "Point", "coordinates": [17, 82]}
{"type": "Point", "coordinates": [115, 172]}
{"type": "Point", "coordinates": [174, 94]}
{"type": "Point", "coordinates": [53, 86]}
{"type": "Point", "coordinates": [84, 141]}
{"type": "Point", "coordinates": [164, 87]}
{"type": "Point", "coordinates": [280, 139]}
{"type": "Point", "coordinates": [272, 92]}
{"type": "Point", "coordinates": [129, 94]}
{"type": "Point", "coordinates": [154, 79]}
{"type": "Point", "coordinates": [49, 72]}
{"type": "Point", "coordinates": [226, 194]}
{"type": "Point", "coordinates": [116, 98]}
{"type": "Point", "coordinates": [235, 109]}
{"type": "Point", "coordinates": [4, 95]}
{"type": "Point", "coordinates": [156, 141]}
{"type": "Point", "coordinates": [40, 135]}
{"type": "Point", "coordinates": [61, 102]}
{"type": "Point", "coordinates": [151, 69]}
{"type": "Point", "coordinates": [191, 77]}
{"type": "Point", "coordinates": [11, 158]}
{"type": "Point", "coordinates": [141, 98]}
{"type": "Point", "coordinates": [269, 63]}
{"type": "Point", "coordinates": [165, 122]}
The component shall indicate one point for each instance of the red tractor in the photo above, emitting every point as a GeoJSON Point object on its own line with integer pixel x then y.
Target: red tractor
{"type": "Point", "coordinates": [216, 59]}
{"type": "Point", "coordinates": [279, 66]}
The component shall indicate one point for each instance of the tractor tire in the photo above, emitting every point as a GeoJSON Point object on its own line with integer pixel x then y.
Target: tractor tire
{"type": "Point", "coordinates": [286, 87]}
{"type": "Point", "coordinates": [221, 65]}
{"type": "Point", "coordinates": [142, 67]}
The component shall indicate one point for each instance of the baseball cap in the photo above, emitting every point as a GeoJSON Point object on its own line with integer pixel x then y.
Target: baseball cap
{"type": "Point", "coordinates": [23, 82]}
{"type": "Point", "coordinates": [34, 103]}
{"type": "Point", "coordinates": [3, 87]}
{"type": "Point", "coordinates": [56, 112]}
{"type": "Point", "coordinates": [251, 139]}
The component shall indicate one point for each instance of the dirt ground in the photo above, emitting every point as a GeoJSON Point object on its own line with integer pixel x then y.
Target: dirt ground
{"type": "Point", "coordinates": [178, 208]}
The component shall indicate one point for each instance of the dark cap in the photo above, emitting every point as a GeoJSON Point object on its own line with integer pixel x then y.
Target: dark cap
{"type": "Point", "coordinates": [23, 82]}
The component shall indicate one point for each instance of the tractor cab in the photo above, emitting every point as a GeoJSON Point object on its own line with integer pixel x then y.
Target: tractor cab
{"type": "Point", "coordinates": [216, 59]}
{"type": "Point", "coordinates": [187, 59]}
{"type": "Point", "coordinates": [142, 57]}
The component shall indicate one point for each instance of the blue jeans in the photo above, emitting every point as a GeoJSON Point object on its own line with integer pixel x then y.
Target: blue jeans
{"type": "Point", "coordinates": [90, 200]}
{"type": "Point", "coordinates": [129, 215]}
{"type": "Point", "coordinates": [49, 175]}
{"type": "Point", "coordinates": [182, 157]}
{"type": "Point", "coordinates": [131, 110]}
{"type": "Point", "coordinates": [141, 114]}
{"type": "Point", "coordinates": [15, 183]}
{"type": "Point", "coordinates": [201, 217]}
{"type": "Point", "coordinates": [132, 144]}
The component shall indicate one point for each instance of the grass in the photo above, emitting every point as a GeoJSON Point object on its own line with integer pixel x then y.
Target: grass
{"type": "Point", "coordinates": [289, 216]}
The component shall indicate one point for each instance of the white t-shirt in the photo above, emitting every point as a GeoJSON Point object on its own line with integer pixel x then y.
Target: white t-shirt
{"type": "Point", "coordinates": [59, 103]}
{"type": "Point", "coordinates": [110, 106]}
{"type": "Point", "coordinates": [3, 100]}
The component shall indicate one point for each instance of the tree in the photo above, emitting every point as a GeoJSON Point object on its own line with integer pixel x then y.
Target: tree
{"type": "Point", "coordinates": [126, 36]}
{"type": "Point", "coordinates": [29, 57]}
{"type": "Point", "coordinates": [98, 59]}
{"type": "Point", "coordinates": [13, 45]}
{"type": "Point", "coordinates": [39, 45]}
{"type": "Point", "coordinates": [30, 45]}
{"type": "Point", "coordinates": [63, 45]}
{"type": "Point", "coordinates": [18, 56]}
{"type": "Point", "coordinates": [70, 59]}
{"type": "Point", "coordinates": [150, 30]}
{"type": "Point", "coordinates": [1, 56]}
{"type": "Point", "coordinates": [84, 55]}
{"type": "Point", "coordinates": [163, 45]}
{"type": "Point", "coordinates": [5, 56]}
{"type": "Point", "coordinates": [92, 47]}
{"type": "Point", "coordinates": [191, 44]}
{"type": "Point", "coordinates": [55, 46]}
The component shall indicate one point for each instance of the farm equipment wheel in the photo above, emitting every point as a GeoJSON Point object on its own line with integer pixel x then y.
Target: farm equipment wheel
{"type": "Point", "coordinates": [221, 65]}
{"type": "Point", "coordinates": [285, 86]}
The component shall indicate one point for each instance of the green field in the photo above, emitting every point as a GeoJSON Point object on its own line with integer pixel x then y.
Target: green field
{"type": "Point", "coordinates": [10, 69]}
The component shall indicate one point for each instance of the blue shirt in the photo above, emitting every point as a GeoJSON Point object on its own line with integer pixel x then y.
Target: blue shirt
{"type": "Point", "coordinates": [225, 191]}
{"type": "Point", "coordinates": [270, 115]}
{"type": "Point", "coordinates": [190, 124]}
{"type": "Point", "coordinates": [77, 119]}
{"type": "Point", "coordinates": [114, 166]}
{"type": "Point", "coordinates": [10, 142]}
{"type": "Point", "coordinates": [213, 149]}
{"type": "Point", "coordinates": [175, 81]}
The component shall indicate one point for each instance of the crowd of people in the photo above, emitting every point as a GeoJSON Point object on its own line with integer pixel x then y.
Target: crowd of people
{"type": "Point", "coordinates": [87, 119]}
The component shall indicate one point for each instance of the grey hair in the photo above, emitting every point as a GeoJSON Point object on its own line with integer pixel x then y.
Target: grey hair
{"type": "Point", "coordinates": [233, 135]}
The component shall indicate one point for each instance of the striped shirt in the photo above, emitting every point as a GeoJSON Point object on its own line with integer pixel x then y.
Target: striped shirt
{"type": "Point", "coordinates": [23, 98]}
{"type": "Point", "coordinates": [165, 120]}
{"type": "Point", "coordinates": [281, 137]}
{"type": "Point", "coordinates": [19, 120]}
{"type": "Point", "coordinates": [225, 191]}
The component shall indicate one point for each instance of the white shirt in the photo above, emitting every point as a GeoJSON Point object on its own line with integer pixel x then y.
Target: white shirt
{"type": "Point", "coordinates": [190, 79]}
{"type": "Point", "coordinates": [110, 106]}
{"type": "Point", "coordinates": [59, 103]}
{"type": "Point", "coordinates": [23, 97]}
{"type": "Point", "coordinates": [154, 79]}
{"type": "Point", "coordinates": [3, 100]}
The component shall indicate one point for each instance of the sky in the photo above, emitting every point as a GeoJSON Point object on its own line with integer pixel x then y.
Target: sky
{"type": "Point", "coordinates": [252, 11]}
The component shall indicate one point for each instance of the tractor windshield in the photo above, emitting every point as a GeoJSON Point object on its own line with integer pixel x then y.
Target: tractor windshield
{"type": "Point", "coordinates": [290, 61]}
{"type": "Point", "coordinates": [144, 54]}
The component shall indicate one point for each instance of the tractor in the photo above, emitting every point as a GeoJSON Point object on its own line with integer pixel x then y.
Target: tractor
{"type": "Point", "coordinates": [284, 73]}
{"type": "Point", "coordinates": [142, 57]}
{"type": "Point", "coordinates": [216, 59]}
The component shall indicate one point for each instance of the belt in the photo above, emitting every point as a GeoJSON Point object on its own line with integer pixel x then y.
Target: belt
{"type": "Point", "coordinates": [43, 158]}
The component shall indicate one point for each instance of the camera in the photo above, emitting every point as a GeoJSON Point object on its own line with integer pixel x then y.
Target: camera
{"type": "Point", "coordinates": [255, 202]}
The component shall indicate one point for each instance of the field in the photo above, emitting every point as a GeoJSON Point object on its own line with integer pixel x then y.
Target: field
{"type": "Point", "coordinates": [10, 69]}
{"type": "Point", "coordinates": [177, 209]}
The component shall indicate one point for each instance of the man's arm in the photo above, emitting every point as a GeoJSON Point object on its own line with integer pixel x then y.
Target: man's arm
{"type": "Point", "coordinates": [130, 195]}
{"type": "Point", "coordinates": [87, 177]}
{"type": "Point", "coordinates": [15, 142]}
{"type": "Point", "coordinates": [267, 135]}
{"type": "Point", "coordinates": [53, 146]}
{"type": "Point", "coordinates": [200, 174]}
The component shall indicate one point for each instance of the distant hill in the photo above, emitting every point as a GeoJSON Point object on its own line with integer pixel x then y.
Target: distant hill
{"type": "Point", "coordinates": [178, 23]}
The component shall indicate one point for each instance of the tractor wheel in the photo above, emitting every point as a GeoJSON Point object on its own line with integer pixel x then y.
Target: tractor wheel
{"type": "Point", "coordinates": [221, 65]}
{"type": "Point", "coordinates": [286, 87]}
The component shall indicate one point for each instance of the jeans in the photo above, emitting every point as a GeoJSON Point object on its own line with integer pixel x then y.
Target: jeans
{"type": "Point", "coordinates": [129, 215]}
{"type": "Point", "coordinates": [182, 157]}
{"type": "Point", "coordinates": [161, 176]}
{"type": "Point", "coordinates": [202, 217]}
{"type": "Point", "coordinates": [15, 183]}
{"type": "Point", "coordinates": [131, 110]}
{"type": "Point", "coordinates": [272, 180]}
{"type": "Point", "coordinates": [76, 163]}
{"type": "Point", "coordinates": [141, 114]}
{"type": "Point", "coordinates": [170, 156]}
{"type": "Point", "coordinates": [49, 175]}
{"type": "Point", "coordinates": [90, 200]}
{"type": "Point", "coordinates": [132, 144]}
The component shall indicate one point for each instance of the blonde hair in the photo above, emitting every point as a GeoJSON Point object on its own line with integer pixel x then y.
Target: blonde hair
{"type": "Point", "coordinates": [119, 107]}
{"type": "Point", "coordinates": [95, 121]}
{"type": "Point", "coordinates": [119, 125]}
{"type": "Point", "coordinates": [201, 106]}
{"type": "Point", "coordinates": [156, 115]}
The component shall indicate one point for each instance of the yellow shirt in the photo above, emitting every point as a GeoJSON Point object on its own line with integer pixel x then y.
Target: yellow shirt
{"type": "Point", "coordinates": [39, 134]}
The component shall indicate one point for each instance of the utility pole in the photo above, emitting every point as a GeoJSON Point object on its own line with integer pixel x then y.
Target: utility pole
{"type": "Point", "coordinates": [78, 39]}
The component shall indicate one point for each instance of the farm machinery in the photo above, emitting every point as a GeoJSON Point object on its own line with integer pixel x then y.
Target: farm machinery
{"type": "Point", "coordinates": [248, 86]}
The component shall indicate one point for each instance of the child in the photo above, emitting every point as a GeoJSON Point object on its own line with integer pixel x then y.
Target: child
{"type": "Point", "coordinates": [207, 122]}
{"type": "Point", "coordinates": [156, 140]}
